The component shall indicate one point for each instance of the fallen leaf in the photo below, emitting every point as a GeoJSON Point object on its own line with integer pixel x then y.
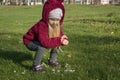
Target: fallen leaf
{"type": "Point", "coordinates": [69, 55]}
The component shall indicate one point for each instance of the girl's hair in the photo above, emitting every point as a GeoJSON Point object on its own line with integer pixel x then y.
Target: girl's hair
{"type": "Point", "coordinates": [54, 31]}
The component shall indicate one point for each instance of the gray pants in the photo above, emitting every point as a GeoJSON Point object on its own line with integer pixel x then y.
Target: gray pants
{"type": "Point", "coordinates": [36, 46]}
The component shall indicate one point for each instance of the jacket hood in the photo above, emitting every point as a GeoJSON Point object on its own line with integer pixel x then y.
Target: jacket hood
{"type": "Point", "coordinates": [50, 5]}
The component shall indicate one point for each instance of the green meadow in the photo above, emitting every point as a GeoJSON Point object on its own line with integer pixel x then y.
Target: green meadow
{"type": "Point", "coordinates": [92, 54]}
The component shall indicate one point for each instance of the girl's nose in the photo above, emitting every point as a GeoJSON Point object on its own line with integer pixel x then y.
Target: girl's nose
{"type": "Point", "coordinates": [55, 22]}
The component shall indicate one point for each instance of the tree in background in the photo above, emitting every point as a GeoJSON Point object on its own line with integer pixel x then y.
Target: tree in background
{"type": "Point", "coordinates": [70, 1]}
{"type": "Point", "coordinates": [1, 2]}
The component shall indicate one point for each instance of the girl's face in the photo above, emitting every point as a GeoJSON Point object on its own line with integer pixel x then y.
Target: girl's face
{"type": "Point", "coordinates": [53, 22]}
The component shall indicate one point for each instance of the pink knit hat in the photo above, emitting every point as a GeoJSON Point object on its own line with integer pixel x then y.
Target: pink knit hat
{"type": "Point", "coordinates": [56, 13]}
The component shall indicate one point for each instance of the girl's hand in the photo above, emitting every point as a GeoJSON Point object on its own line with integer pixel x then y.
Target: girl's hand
{"type": "Point", "coordinates": [64, 37]}
{"type": "Point", "coordinates": [65, 42]}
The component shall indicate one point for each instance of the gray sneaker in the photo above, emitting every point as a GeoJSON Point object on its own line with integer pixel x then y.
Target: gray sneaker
{"type": "Point", "coordinates": [37, 68]}
{"type": "Point", "coordinates": [53, 63]}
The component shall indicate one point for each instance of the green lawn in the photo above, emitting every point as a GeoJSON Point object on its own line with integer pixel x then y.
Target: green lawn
{"type": "Point", "coordinates": [94, 35]}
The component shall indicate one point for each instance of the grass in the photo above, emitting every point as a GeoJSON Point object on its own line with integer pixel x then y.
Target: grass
{"type": "Point", "coordinates": [94, 36]}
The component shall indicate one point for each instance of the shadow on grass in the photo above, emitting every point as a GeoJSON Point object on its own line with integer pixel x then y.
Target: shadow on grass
{"type": "Point", "coordinates": [16, 57]}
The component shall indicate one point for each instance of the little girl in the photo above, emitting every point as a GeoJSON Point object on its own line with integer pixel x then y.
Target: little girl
{"type": "Point", "coordinates": [47, 33]}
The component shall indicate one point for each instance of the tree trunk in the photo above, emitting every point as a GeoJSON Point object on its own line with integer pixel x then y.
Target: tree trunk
{"type": "Point", "coordinates": [28, 2]}
{"type": "Point", "coordinates": [70, 1]}
{"type": "Point", "coordinates": [97, 1]}
{"type": "Point", "coordinates": [35, 2]}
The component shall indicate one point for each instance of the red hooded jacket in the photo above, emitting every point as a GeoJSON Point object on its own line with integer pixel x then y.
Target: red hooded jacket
{"type": "Point", "coordinates": [39, 32]}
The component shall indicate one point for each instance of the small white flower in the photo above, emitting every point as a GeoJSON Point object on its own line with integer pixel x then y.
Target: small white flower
{"type": "Point", "coordinates": [58, 71]}
{"type": "Point", "coordinates": [14, 71]}
{"type": "Point", "coordinates": [66, 70]}
{"type": "Point", "coordinates": [69, 70]}
{"type": "Point", "coordinates": [72, 71]}
{"type": "Point", "coordinates": [45, 55]}
{"type": "Point", "coordinates": [9, 36]}
{"type": "Point", "coordinates": [53, 70]}
{"type": "Point", "coordinates": [8, 79]}
{"type": "Point", "coordinates": [2, 48]}
{"type": "Point", "coordinates": [66, 65]}
{"type": "Point", "coordinates": [23, 72]}
{"type": "Point", "coordinates": [112, 32]}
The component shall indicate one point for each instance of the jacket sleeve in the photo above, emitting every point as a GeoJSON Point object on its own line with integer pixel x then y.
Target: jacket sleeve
{"type": "Point", "coordinates": [29, 36]}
